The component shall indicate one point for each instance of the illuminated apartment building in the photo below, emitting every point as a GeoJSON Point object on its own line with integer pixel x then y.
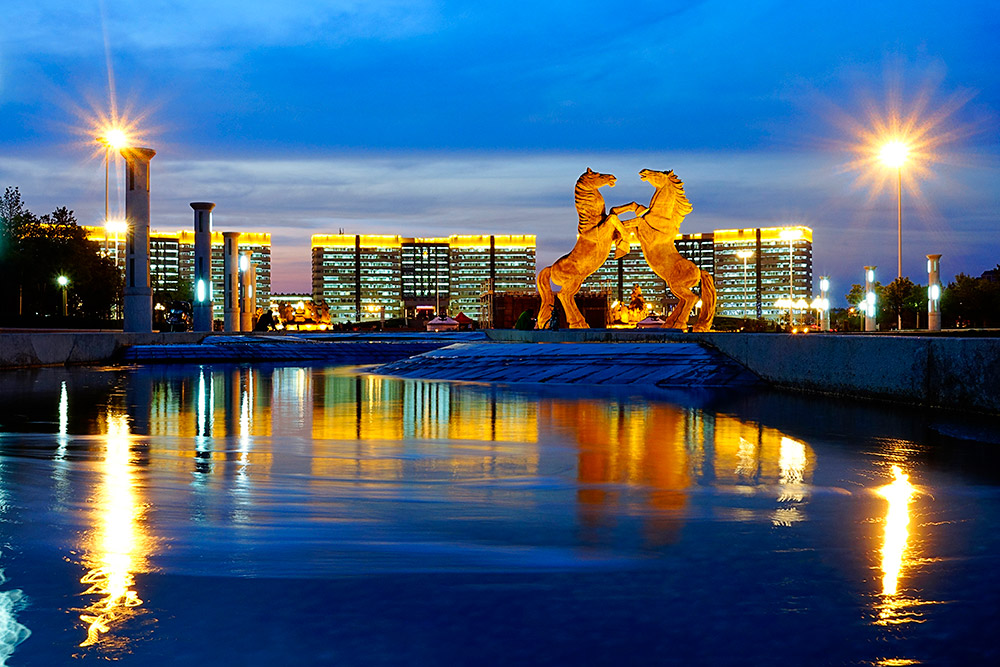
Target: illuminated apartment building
{"type": "Point", "coordinates": [171, 260]}
{"type": "Point", "coordinates": [756, 267]}
{"type": "Point", "coordinates": [507, 261]}
{"type": "Point", "coordinates": [619, 277]}
{"type": "Point", "coordinates": [361, 276]}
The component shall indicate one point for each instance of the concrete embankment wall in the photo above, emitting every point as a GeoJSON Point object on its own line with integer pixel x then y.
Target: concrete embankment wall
{"type": "Point", "coordinates": [56, 348]}
{"type": "Point", "coordinates": [945, 371]}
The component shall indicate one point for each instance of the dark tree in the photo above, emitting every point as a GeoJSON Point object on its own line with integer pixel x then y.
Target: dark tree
{"type": "Point", "coordinates": [35, 251]}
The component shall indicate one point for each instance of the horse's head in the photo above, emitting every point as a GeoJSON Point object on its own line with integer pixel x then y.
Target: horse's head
{"type": "Point", "coordinates": [591, 179]}
{"type": "Point", "coordinates": [666, 182]}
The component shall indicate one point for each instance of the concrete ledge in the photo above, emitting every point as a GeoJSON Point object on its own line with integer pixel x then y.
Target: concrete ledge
{"type": "Point", "coordinates": [934, 371]}
{"type": "Point", "coordinates": [58, 348]}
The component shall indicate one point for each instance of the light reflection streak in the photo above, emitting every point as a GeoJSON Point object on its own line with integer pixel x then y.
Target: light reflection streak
{"type": "Point", "coordinates": [115, 552]}
{"type": "Point", "coordinates": [894, 548]}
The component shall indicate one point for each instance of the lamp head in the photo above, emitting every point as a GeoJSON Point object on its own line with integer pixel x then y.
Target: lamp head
{"type": "Point", "coordinates": [893, 154]}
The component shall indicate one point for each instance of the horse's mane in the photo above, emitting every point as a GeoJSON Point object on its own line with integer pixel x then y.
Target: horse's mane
{"type": "Point", "coordinates": [589, 201]}
{"type": "Point", "coordinates": [671, 202]}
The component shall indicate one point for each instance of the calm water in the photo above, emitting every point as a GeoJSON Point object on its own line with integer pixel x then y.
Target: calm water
{"type": "Point", "coordinates": [299, 515]}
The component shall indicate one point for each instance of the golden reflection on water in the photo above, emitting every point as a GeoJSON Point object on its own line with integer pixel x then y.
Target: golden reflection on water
{"type": "Point", "coordinates": [115, 549]}
{"type": "Point", "coordinates": [893, 608]}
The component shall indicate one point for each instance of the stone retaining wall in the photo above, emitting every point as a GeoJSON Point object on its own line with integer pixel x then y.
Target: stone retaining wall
{"type": "Point", "coordinates": [945, 371]}
{"type": "Point", "coordinates": [56, 348]}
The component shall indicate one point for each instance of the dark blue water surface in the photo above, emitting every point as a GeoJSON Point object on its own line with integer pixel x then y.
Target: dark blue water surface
{"type": "Point", "coordinates": [267, 515]}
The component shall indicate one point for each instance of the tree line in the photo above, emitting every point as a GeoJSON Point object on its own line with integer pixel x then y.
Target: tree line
{"type": "Point", "coordinates": [34, 251]}
{"type": "Point", "coordinates": [965, 302]}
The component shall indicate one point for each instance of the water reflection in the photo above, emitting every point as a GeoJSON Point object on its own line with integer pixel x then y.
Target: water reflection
{"type": "Point", "coordinates": [894, 608]}
{"type": "Point", "coordinates": [116, 548]}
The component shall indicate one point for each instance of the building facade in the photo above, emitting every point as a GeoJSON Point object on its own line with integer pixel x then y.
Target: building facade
{"type": "Point", "coordinates": [363, 276]}
{"type": "Point", "coordinates": [171, 257]}
{"type": "Point", "coordinates": [756, 267]}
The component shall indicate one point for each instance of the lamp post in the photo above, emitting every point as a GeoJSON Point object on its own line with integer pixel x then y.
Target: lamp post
{"type": "Point", "coordinates": [869, 303]}
{"type": "Point", "coordinates": [824, 288]}
{"type": "Point", "coordinates": [745, 255]}
{"type": "Point", "coordinates": [113, 139]}
{"type": "Point", "coordinates": [893, 155]}
{"type": "Point", "coordinates": [790, 235]}
{"type": "Point", "coordinates": [63, 282]}
{"type": "Point", "coordinates": [934, 292]}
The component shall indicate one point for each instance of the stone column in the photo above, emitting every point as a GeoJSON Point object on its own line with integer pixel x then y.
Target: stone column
{"type": "Point", "coordinates": [231, 299]}
{"type": "Point", "coordinates": [934, 292]}
{"type": "Point", "coordinates": [138, 306]}
{"type": "Point", "coordinates": [869, 302]}
{"type": "Point", "coordinates": [824, 316]}
{"type": "Point", "coordinates": [202, 265]}
{"type": "Point", "coordinates": [248, 307]}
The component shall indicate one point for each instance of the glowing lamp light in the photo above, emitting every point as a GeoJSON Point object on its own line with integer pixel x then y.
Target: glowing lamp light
{"type": "Point", "coordinates": [870, 299]}
{"type": "Point", "coordinates": [934, 291]}
{"type": "Point", "coordinates": [115, 138]}
{"type": "Point", "coordinates": [200, 291]}
{"type": "Point", "coordinates": [63, 281]}
{"type": "Point", "coordinates": [116, 226]}
{"type": "Point", "coordinates": [745, 254]}
{"type": "Point", "coordinates": [893, 154]}
{"type": "Point", "coordinates": [801, 304]}
{"type": "Point", "coordinates": [871, 275]}
{"type": "Point", "coordinates": [790, 234]}
{"type": "Point", "coordinates": [244, 263]}
{"type": "Point", "coordinates": [824, 284]}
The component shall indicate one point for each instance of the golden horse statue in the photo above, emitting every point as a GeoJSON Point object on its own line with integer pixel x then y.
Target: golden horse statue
{"type": "Point", "coordinates": [596, 232]}
{"type": "Point", "coordinates": [656, 227]}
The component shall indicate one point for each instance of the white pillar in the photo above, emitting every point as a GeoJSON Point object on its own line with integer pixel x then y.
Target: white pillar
{"type": "Point", "coordinates": [824, 316]}
{"type": "Point", "coordinates": [231, 275]}
{"type": "Point", "coordinates": [202, 265]}
{"type": "Point", "coordinates": [138, 306]}
{"type": "Point", "coordinates": [934, 292]}
{"type": "Point", "coordinates": [869, 303]}
{"type": "Point", "coordinates": [247, 306]}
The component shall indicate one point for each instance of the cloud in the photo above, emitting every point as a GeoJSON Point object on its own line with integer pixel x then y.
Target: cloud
{"type": "Point", "coordinates": [437, 194]}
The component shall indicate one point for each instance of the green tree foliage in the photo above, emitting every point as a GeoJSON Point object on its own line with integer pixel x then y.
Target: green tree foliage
{"type": "Point", "coordinates": [35, 250]}
{"type": "Point", "coordinates": [971, 302]}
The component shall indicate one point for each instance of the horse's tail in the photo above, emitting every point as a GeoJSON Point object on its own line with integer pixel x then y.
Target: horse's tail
{"type": "Point", "coordinates": [707, 313]}
{"type": "Point", "coordinates": [548, 298]}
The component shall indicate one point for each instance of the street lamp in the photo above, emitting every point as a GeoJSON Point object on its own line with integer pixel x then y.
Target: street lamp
{"type": "Point", "coordinates": [893, 155]}
{"type": "Point", "coordinates": [869, 302]}
{"type": "Point", "coordinates": [790, 235]}
{"type": "Point", "coordinates": [824, 303]}
{"type": "Point", "coordinates": [745, 255]}
{"type": "Point", "coordinates": [63, 282]}
{"type": "Point", "coordinates": [113, 139]}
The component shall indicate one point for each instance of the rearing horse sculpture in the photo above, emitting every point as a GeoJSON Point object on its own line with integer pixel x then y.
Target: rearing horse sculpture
{"type": "Point", "coordinates": [596, 232]}
{"type": "Point", "coordinates": [656, 228]}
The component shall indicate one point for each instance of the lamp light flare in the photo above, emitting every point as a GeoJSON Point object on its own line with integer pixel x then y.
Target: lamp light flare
{"type": "Point", "coordinates": [894, 153]}
{"type": "Point", "coordinates": [114, 138]}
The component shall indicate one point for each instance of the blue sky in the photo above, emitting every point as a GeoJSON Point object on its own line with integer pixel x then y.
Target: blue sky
{"type": "Point", "coordinates": [420, 117]}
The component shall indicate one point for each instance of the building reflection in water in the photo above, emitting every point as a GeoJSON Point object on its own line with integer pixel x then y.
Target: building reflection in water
{"type": "Point", "coordinates": [115, 550]}
{"type": "Point", "coordinates": [662, 450]}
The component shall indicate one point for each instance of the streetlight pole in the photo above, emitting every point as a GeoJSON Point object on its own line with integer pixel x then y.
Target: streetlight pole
{"type": "Point", "coordinates": [744, 255]}
{"type": "Point", "coordinates": [63, 282]}
{"type": "Point", "coordinates": [790, 235]}
{"type": "Point", "coordinates": [893, 155]}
